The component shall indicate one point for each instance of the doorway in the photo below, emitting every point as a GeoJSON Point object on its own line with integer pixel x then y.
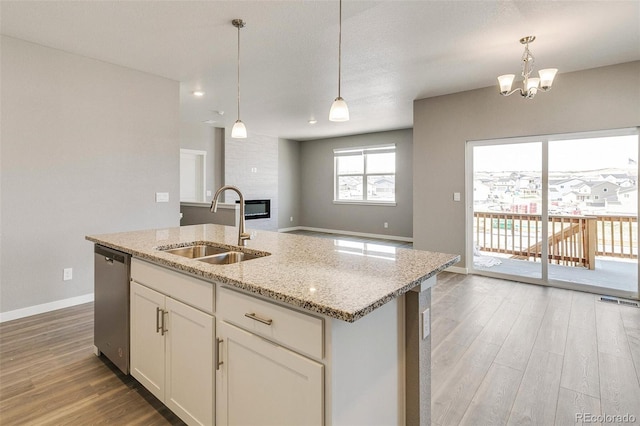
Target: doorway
{"type": "Point", "coordinates": [193, 175]}
{"type": "Point", "coordinates": [559, 210]}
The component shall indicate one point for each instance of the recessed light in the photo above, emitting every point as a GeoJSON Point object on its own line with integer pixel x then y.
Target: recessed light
{"type": "Point", "coordinates": [313, 121]}
{"type": "Point", "coordinates": [198, 93]}
{"type": "Point", "coordinates": [209, 121]}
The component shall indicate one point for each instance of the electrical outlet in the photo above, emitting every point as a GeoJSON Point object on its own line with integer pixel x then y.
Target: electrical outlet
{"type": "Point", "coordinates": [291, 219]}
{"type": "Point", "coordinates": [456, 196]}
{"type": "Point", "coordinates": [67, 274]}
{"type": "Point", "coordinates": [386, 224]}
{"type": "Point", "coordinates": [426, 324]}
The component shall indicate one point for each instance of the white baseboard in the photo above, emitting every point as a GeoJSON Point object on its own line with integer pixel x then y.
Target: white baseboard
{"type": "Point", "coordinates": [293, 228]}
{"type": "Point", "coordinates": [45, 307]}
{"type": "Point", "coordinates": [355, 234]}
{"type": "Point", "coordinates": [458, 270]}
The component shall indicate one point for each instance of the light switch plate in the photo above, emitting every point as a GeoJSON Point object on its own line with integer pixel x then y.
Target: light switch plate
{"type": "Point", "coordinates": [162, 197]}
{"type": "Point", "coordinates": [456, 196]}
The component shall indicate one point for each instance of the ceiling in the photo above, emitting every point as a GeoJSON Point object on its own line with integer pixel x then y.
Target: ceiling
{"type": "Point", "coordinates": [393, 51]}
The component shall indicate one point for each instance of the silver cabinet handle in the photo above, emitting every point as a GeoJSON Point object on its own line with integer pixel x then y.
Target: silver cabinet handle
{"type": "Point", "coordinates": [218, 362]}
{"type": "Point", "coordinates": [108, 259]}
{"type": "Point", "coordinates": [254, 317]}
{"type": "Point", "coordinates": [163, 329]}
{"type": "Point", "coordinates": [158, 325]}
{"type": "Point", "coordinates": [160, 321]}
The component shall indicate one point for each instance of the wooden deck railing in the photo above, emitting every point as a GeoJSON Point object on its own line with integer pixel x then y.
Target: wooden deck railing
{"type": "Point", "coordinates": [573, 240]}
{"type": "Point", "coordinates": [617, 236]}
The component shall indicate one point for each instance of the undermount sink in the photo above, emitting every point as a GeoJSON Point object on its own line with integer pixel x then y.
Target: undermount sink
{"type": "Point", "coordinates": [228, 258]}
{"type": "Point", "coordinates": [212, 254]}
{"type": "Point", "coordinates": [193, 252]}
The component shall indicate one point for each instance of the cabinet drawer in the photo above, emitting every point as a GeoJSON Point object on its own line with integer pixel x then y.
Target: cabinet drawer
{"type": "Point", "coordinates": [192, 291]}
{"type": "Point", "coordinates": [296, 330]}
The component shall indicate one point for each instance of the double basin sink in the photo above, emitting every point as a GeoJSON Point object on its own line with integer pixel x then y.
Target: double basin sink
{"type": "Point", "coordinates": [212, 254]}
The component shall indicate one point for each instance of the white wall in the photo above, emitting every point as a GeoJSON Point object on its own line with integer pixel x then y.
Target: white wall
{"type": "Point", "coordinates": [85, 145]}
{"type": "Point", "coordinates": [596, 99]}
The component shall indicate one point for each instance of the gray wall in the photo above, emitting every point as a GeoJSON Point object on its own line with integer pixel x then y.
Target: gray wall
{"type": "Point", "coordinates": [85, 147]}
{"type": "Point", "coordinates": [289, 185]}
{"type": "Point", "coordinates": [252, 165]}
{"type": "Point", "coordinates": [317, 207]}
{"type": "Point", "coordinates": [596, 99]}
{"type": "Point", "coordinates": [203, 137]}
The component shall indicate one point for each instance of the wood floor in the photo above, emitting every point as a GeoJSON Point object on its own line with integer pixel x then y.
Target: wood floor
{"type": "Point", "coordinates": [50, 376]}
{"type": "Point", "coordinates": [503, 353]}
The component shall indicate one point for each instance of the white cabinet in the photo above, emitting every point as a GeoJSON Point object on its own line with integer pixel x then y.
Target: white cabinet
{"type": "Point", "coordinates": [172, 353]}
{"type": "Point", "coordinates": [260, 382]}
{"type": "Point", "coordinates": [147, 344]}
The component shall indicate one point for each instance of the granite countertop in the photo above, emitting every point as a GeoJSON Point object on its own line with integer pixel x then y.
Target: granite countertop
{"type": "Point", "coordinates": [341, 279]}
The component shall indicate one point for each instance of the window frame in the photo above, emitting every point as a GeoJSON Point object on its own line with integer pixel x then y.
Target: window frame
{"type": "Point", "coordinates": [363, 151]}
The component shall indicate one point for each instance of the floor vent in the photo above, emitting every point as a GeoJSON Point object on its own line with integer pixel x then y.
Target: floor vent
{"type": "Point", "coordinates": [624, 302]}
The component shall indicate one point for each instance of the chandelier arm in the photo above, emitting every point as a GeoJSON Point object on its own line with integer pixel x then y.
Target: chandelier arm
{"type": "Point", "coordinates": [519, 89]}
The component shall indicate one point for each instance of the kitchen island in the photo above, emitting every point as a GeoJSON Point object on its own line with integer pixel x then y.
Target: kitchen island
{"type": "Point", "coordinates": [344, 323]}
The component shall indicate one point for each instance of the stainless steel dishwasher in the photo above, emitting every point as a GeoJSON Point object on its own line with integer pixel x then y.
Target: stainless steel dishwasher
{"type": "Point", "coordinates": [111, 305]}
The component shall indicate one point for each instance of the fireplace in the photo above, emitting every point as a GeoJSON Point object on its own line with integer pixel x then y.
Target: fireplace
{"type": "Point", "coordinates": [256, 209]}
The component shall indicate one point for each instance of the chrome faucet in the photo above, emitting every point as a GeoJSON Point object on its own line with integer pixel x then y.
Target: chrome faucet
{"type": "Point", "coordinates": [242, 234]}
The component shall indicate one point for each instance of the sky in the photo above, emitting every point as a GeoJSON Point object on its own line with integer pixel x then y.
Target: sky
{"type": "Point", "coordinates": [564, 155]}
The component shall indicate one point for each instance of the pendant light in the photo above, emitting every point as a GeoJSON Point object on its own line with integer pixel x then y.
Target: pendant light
{"type": "Point", "coordinates": [339, 110]}
{"type": "Point", "coordinates": [239, 131]}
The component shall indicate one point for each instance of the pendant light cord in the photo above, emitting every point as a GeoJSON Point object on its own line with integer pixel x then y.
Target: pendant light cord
{"type": "Point", "coordinates": [340, 49]}
{"type": "Point", "coordinates": [239, 71]}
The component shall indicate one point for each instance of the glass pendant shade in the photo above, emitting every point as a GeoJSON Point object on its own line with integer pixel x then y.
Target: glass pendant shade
{"type": "Point", "coordinates": [546, 77]}
{"type": "Point", "coordinates": [533, 83]}
{"type": "Point", "coordinates": [339, 110]}
{"type": "Point", "coordinates": [239, 131]}
{"type": "Point", "coordinates": [505, 82]}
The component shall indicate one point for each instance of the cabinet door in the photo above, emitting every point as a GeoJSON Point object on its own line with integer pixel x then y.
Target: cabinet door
{"type": "Point", "coordinates": [261, 383]}
{"type": "Point", "coordinates": [147, 343]}
{"type": "Point", "coordinates": [189, 368]}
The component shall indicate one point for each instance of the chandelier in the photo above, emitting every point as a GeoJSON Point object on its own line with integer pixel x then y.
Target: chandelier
{"type": "Point", "coordinates": [530, 85]}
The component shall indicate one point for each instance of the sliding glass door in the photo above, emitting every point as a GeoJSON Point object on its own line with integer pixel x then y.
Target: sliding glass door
{"type": "Point", "coordinates": [557, 210]}
{"type": "Point", "coordinates": [593, 211]}
{"type": "Point", "coordinates": [507, 232]}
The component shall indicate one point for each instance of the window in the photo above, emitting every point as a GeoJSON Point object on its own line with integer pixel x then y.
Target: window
{"type": "Point", "coordinates": [366, 174]}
